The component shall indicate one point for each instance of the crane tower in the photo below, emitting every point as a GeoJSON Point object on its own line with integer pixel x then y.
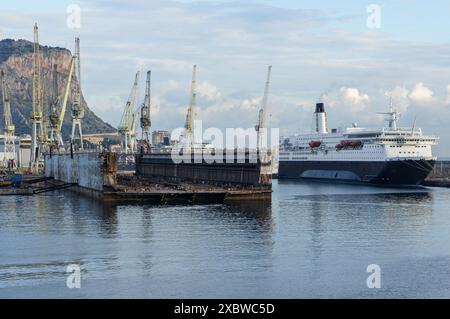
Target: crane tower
{"type": "Point", "coordinates": [58, 108]}
{"type": "Point", "coordinates": [190, 116]}
{"type": "Point", "coordinates": [126, 126]}
{"type": "Point", "coordinates": [145, 110]}
{"type": "Point", "coordinates": [36, 114]}
{"type": "Point", "coordinates": [77, 108]}
{"type": "Point", "coordinates": [9, 151]}
{"type": "Point", "coordinates": [262, 112]}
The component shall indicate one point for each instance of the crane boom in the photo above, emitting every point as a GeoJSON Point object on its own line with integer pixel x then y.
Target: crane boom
{"type": "Point", "coordinates": [77, 110]}
{"type": "Point", "coordinates": [37, 107]}
{"type": "Point", "coordinates": [37, 133]}
{"type": "Point", "coordinates": [9, 126]}
{"type": "Point", "coordinates": [127, 116]}
{"type": "Point", "coordinates": [145, 109]}
{"type": "Point", "coordinates": [54, 108]}
{"type": "Point", "coordinates": [77, 107]}
{"type": "Point", "coordinates": [66, 96]}
{"type": "Point", "coordinates": [262, 112]}
{"type": "Point", "coordinates": [189, 126]}
{"type": "Point", "coordinates": [126, 127]}
{"type": "Point", "coordinates": [9, 151]}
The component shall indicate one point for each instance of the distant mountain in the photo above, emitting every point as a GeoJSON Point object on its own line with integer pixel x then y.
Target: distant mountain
{"type": "Point", "coordinates": [16, 60]}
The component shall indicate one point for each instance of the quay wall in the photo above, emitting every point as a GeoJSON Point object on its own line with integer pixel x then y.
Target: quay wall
{"type": "Point", "coordinates": [84, 169]}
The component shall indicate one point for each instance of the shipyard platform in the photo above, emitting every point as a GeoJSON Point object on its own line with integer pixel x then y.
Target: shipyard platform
{"type": "Point", "coordinates": [96, 175]}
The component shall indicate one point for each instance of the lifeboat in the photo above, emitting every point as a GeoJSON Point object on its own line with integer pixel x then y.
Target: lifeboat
{"type": "Point", "coordinates": [355, 143]}
{"type": "Point", "coordinates": [315, 144]}
{"type": "Point", "coordinates": [349, 144]}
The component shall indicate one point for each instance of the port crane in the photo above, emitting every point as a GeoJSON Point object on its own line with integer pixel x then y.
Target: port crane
{"type": "Point", "coordinates": [77, 108]}
{"type": "Point", "coordinates": [9, 151]}
{"type": "Point", "coordinates": [145, 110]}
{"type": "Point", "coordinates": [190, 116]}
{"type": "Point", "coordinates": [126, 126]}
{"type": "Point", "coordinates": [58, 107]}
{"type": "Point", "coordinates": [37, 133]}
{"type": "Point", "coordinates": [54, 109]}
{"type": "Point", "coordinates": [262, 112]}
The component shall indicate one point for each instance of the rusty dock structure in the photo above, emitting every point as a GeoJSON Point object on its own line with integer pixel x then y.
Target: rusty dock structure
{"type": "Point", "coordinates": [158, 180]}
{"type": "Point", "coordinates": [440, 175]}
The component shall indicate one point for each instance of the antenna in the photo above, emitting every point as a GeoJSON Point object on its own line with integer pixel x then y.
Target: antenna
{"type": "Point", "coordinates": [392, 116]}
{"type": "Point", "coordinates": [414, 125]}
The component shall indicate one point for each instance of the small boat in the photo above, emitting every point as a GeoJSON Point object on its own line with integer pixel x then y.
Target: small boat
{"type": "Point", "coordinates": [315, 144]}
{"type": "Point", "coordinates": [13, 180]}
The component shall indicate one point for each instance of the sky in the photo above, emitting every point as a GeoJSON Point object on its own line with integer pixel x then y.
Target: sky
{"type": "Point", "coordinates": [353, 59]}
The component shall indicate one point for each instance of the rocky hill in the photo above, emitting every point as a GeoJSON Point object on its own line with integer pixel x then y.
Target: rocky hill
{"type": "Point", "coordinates": [16, 60]}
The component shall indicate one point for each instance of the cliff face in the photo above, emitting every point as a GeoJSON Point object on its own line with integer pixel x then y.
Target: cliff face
{"type": "Point", "coordinates": [16, 60]}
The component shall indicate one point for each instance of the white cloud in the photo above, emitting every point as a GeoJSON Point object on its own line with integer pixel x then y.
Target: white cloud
{"type": "Point", "coordinates": [251, 104]}
{"type": "Point", "coordinates": [346, 99]}
{"type": "Point", "coordinates": [208, 90]}
{"type": "Point", "coordinates": [353, 96]}
{"type": "Point", "coordinates": [232, 42]}
{"type": "Point", "coordinates": [421, 94]}
{"type": "Point", "coordinates": [400, 99]}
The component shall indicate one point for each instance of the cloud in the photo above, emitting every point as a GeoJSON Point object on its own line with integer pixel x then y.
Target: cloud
{"type": "Point", "coordinates": [348, 99]}
{"type": "Point", "coordinates": [399, 97]}
{"type": "Point", "coordinates": [208, 90]}
{"type": "Point", "coordinates": [421, 94]}
{"type": "Point", "coordinates": [232, 42]}
{"type": "Point", "coordinates": [353, 96]}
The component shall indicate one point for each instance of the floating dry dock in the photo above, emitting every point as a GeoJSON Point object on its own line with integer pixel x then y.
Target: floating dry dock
{"type": "Point", "coordinates": [96, 175]}
{"type": "Point", "coordinates": [440, 176]}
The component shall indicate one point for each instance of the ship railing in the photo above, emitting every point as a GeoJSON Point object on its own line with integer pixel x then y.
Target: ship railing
{"type": "Point", "coordinates": [400, 130]}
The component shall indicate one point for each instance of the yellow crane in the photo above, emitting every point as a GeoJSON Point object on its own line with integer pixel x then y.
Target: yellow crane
{"type": "Point", "coordinates": [145, 110]}
{"type": "Point", "coordinates": [262, 112]}
{"type": "Point", "coordinates": [58, 109]}
{"type": "Point", "coordinates": [190, 116]}
{"type": "Point", "coordinates": [36, 114]}
{"type": "Point", "coordinates": [54, 109]}
{"type": "Point", "coordinates": [126, 126]}
{"type": "Point", "coordinates": [77, 108]}
{"type": "Point", "coordinates": [9, 150]}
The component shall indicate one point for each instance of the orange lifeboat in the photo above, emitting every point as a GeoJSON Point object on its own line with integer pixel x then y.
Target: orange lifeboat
{"type": "Point", "coordinates": [355, 143]}
{"type": "Point", "coordinates": [349, 144]}
{"type": "Point", "coordinates": [315, 144]}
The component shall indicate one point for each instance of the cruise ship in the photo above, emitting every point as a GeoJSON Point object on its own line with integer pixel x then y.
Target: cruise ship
{"type": "Point", "coordinates": [391, 155]}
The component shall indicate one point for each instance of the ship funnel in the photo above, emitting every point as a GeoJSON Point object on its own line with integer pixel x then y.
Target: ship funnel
{"type": "Point", "coordinates": [320, 108]}
{"type": "Point", "coordinates": [321, 119]}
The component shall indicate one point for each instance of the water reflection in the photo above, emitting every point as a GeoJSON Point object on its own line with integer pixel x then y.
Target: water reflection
{"type": "Point", "coordinates": [259, 211]}
{"type": "Point", "coordinates": [303, 242]}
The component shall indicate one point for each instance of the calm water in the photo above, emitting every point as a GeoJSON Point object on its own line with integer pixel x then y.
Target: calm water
{"type": "Point", "coordinates": [313, 240]}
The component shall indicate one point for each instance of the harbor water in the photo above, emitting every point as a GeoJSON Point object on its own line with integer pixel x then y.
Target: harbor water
{"type": "Point", "coordinates": [314, 240]}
